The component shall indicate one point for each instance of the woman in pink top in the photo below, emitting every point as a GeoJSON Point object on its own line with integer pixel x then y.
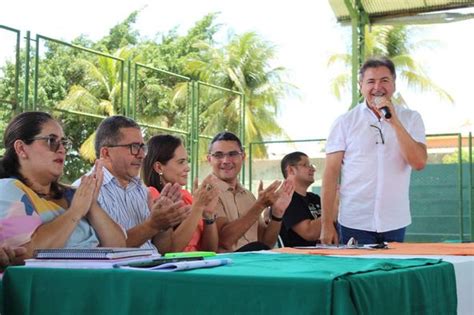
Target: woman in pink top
{"type": "Point", "coordinates": [167, 162]}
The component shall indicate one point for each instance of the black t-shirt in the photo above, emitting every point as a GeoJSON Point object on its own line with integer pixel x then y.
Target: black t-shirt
{"type": "Point", "coordinates": [300, 208]}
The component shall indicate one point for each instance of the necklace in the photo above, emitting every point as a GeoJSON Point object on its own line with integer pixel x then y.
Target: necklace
{"type": "Point", "coordinates": [44, 196]}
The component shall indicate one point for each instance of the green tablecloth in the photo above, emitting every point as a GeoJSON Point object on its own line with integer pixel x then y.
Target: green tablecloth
{"type": "Point", "coordinates": [254, 283]}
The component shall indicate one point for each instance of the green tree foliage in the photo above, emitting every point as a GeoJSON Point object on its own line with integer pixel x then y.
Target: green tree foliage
{"type": "Point", "coordinates": [241, 65]}
{"type": "Point", "coordinates": [393, 42]}
{"type": "Point", "coordinates": [453, 158]}
{"type": "Point", "coordinates": [121, 35]}
{"type": "Point", "coordinates": [100, 93]}
{"type": "Point", "coordinates": [71, 79]}
{"type": "Point", "coordinates": [162, 99]}
{"type": "Point", "coordinates": [9, 102]}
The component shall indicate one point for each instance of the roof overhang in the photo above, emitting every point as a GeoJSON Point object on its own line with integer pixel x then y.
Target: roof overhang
{"type": "Point", "coordinates": [407, 11]}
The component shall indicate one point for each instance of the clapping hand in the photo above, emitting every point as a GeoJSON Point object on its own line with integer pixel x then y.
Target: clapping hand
{"type": "Point", "coordinates": [285, 194]}
{"type": "Point", "coordinates": [166, 214]}
{"type": "Point", "coordinates": [206, 195]}
{"type": "Point", "coordinates": [267, 196]}
{"type": "Point", "coordinates": [98, 174]}
{"type": "Point", "coordinates": [172, 191]}
{"type": "Point", "coordinates": [87, 192]}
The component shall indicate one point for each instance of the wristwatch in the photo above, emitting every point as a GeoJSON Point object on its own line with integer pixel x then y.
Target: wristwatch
{"type": "Point", "coordinates": [273, 217]}
{"type": "Point", "coordinates": [211, 220]}
{"type": "Point", "coordinates": [276, 219]}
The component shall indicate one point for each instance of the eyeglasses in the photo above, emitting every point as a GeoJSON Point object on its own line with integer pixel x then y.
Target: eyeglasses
{"type": "Point", "coordinates": [353, 243]}
{"type": "Point", "coordinates": [134, 147]}
{"type": "Point", "coordinates": [308, 166]}
{"type": "Point", "coordinates": [54, 142]}
{"type": "Point", "coordinates": [380, 133]}
{"type": "Point", "coordinates": [221, 155]}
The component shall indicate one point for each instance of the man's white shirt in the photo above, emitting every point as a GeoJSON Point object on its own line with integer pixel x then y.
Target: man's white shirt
{"type": "Point", "coordinates": [375, 178]}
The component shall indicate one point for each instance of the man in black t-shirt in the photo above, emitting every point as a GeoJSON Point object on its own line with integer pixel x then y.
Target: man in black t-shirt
{"type": "Point", "coordinates": [301, 221]}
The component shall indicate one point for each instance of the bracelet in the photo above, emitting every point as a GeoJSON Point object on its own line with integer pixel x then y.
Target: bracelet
{"type": "Point", "coordinates": [209, 221]}
{"type": "Point", "coordinates": [276, 219]}
{"type": "Point", "coordinates": [75, 220]}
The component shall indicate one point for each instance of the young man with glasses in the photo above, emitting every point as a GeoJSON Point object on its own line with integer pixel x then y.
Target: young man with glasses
{"type": "Point", "coordinates": [239, 221]}
{"type": "Point", "coordinates": [375, 154]}
{"type": "Point", "coordinates": [301, 223]}
{"type": "Point", "coordinates": [119, 144]}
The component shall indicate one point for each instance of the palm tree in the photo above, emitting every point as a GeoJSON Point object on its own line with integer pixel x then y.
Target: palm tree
{"type": "Point", "coordinates": [390, 41]}
{"type": "Point", "coordinates": [242, 65]}
{"type": "Point", "coordinates": [100, 94]}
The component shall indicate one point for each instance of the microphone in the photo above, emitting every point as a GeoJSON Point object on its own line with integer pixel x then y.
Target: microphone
{"type": "Point", "coordinates": [385, 110]}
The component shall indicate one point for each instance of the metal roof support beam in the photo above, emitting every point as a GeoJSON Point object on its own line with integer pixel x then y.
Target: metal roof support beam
{"type": "Point", "coordinates": [359, 20]}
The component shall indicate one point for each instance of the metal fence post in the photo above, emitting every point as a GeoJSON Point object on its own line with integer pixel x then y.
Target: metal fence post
{"type": "Point", "coordinates": [27, 72]}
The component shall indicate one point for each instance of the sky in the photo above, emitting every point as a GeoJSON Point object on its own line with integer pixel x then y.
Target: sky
{"type": "Point", "coordinates": [305, 33]}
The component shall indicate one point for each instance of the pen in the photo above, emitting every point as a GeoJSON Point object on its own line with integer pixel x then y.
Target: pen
{"type": "Point", "coordinates": [156, 262]}
{"type": "Point", "coordinates": [190, 254]}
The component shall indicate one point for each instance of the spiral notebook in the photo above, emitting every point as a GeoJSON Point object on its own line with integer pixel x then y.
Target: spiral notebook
{"type": "Point", "coordinates": [86, 263]}
{"type": "Point", "coordinates": [91, 253]}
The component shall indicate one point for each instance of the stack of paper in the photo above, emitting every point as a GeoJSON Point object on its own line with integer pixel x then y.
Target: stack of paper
{"type": "Point", "coordinates": [100, 257]}
{"type": "Point", "coordinates": [86, 263]}
{"type": "Point", "coordinates": [92, 253]}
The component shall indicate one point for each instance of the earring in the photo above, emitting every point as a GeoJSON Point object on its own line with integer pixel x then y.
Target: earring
{"type": "Point", "coordinates": [161, 178]}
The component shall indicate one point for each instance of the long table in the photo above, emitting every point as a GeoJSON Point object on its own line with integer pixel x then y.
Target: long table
{"type": "Point", "coordinates": [461, 255]}
{"type": "Point", "coordinates": [464, 273]}
{"type": "Point", "coordinates": [253, 284]}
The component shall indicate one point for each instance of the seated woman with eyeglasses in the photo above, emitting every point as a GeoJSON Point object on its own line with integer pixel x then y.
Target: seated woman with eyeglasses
{"type": "Point", "coordinates": [167, 162]}
{"type": "Point", "coordinates": [36, 211]}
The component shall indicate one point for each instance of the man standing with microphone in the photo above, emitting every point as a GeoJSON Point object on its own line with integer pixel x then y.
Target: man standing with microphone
{"type": "Point", "coordinates": [373, 147]}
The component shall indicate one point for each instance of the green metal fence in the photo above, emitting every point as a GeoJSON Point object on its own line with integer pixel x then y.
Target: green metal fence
{"type": "Point", "coordinates": [37, 60]}
{"type": "Point", "coordinates": [441, 194]}
{"type": "Point", "coordinates": [9, 100]}
{"type": "Point", "coordinates": [13, 34]}
{"type": "Point", "coordinates": [186, 96]}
